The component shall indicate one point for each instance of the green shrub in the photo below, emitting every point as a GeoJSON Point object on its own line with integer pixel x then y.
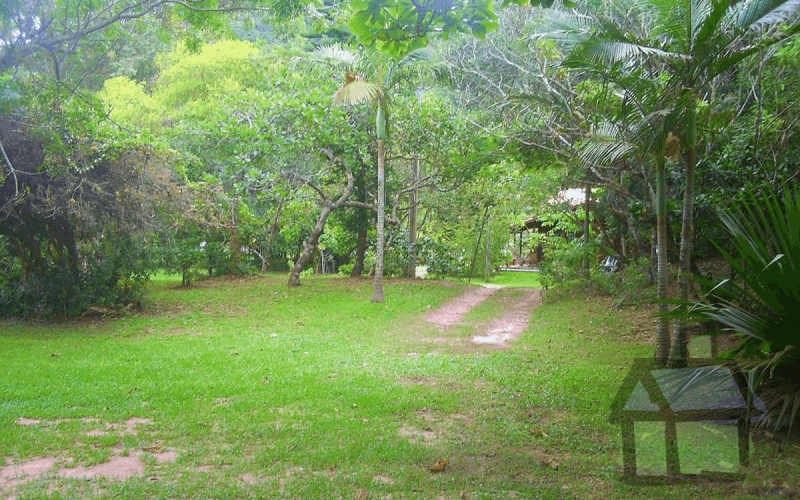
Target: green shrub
{"type": "Point", "coordinates": [346, 269]}
{"type": "Point", "coordinates": [635, 283]}
{"type": "Point", "coordinates": [565, 263]}
{"type": "Point", "coordinates": [762, 305]}
{"type": "Point", "coordinates": [112, 274]}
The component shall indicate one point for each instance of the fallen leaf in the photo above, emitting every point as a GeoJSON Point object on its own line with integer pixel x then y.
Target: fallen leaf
{"type": "Point", "coordinates": [439, 466]}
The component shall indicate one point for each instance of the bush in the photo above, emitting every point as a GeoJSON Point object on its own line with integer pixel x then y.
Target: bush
{"type": "Point", "coordinates": [565, 264]}
{"type": "Point", "coordinates": [346, 269]}
{"type": "Point", "coordinates": [634, 283]}
{"type": "Point", "coordinates": [762, 305]}
{"type": "Point", "coordinates": [442, 259]}
{"type": "Point", "coordinates": [112, 274]}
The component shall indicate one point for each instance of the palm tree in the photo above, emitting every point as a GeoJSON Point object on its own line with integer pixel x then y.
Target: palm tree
{"type": "Point", "coordinates": [356, 89]}
{"type": "Point", "coordinates": [692, 43]}
{"type": "Point", "coordinates": [644, 135]}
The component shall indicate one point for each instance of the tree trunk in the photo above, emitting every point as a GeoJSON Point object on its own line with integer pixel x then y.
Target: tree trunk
{"type": "Point", "coordinates": [273, 232]}
{"type": "Point", "coordinates": [261, 257]}
{"type": "Point", "coordinates": [488, 272]}
{"type": "Point", "coordinates": [411, 271]}
{"type": "Point", "coordinates": [637, 239]}
{"type": "Point", "coordinates": [679, 345]}
{"type": "Point", "coordinates": [236, 248]}
{"type": "Point", "coordinates": [361, 250]}
{"type": "Point", "coordinates": [588, 196]}
{"type": "Point", "coordinates": [586, 235]}
{"type": "Point", "coordinates": [377, 289]}
{"type": "Point", "coordinates": [662, 336]}
{"type": "Point", "coordinates": [310, 246]}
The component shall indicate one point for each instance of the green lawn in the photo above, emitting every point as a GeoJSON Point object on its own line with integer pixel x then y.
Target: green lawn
{"type": "Point", "coordinates": [315, 392]}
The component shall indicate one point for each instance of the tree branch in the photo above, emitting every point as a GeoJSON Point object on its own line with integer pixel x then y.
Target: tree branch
{"type": "Point", "coordinates": [10, 167]}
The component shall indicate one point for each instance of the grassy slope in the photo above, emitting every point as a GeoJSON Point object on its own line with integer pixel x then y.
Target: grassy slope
{"type": "Point", "coordinates": [318, 393]}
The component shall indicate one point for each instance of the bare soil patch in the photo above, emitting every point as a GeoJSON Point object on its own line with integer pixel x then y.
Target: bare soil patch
{"type": "Point", "coordinates": [121, 466]}
{"type": "Point", "coordinates": [499, 332]}
{"type": "Point", "coordinates": [512, 324]}
{"type": "Point", "coordinates": [453, 311]}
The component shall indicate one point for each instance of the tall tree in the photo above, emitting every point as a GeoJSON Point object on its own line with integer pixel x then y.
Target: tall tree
{"type": "Point", "coordinates": [356, 89]}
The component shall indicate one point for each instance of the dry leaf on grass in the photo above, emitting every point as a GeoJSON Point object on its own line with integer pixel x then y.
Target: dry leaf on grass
{"type": "Point", "coordinates": [439, 466]}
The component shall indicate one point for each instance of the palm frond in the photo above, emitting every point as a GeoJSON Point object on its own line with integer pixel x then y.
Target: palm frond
{"type": "Point", "coordinates": [606, 145]}
{"type": "Point", "coordinates": [415, 57]}
{"type": "Point", "coordinates": [767, 249]}
{"type": "Point", "coordinates": [357, 89]}
{"type": "Point", "coordinates": [609, 52]}
{"type": "Point", "coordinates": [337, 55]}
{"type": "Point", "coordinates": [566, 28]}
{"type": "Point", "coordinates": [599, 151]}
{"type": "Point", "coordinates": [756, 14]}
{"type": "Point", "coordinates": [714, 18]}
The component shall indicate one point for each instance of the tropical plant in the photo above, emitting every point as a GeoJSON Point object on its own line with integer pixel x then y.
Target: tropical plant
{"type": "Point", "coordinates": [761, 305]}
{"type": "Point", "coordinates": [690, 43]}
{"type": "Point", "coordinates": [357, 89]}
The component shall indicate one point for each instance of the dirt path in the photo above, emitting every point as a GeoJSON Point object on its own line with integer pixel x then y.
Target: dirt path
{"type": "Point", "coordinates": [500, 331]}
{"type": "Point", "coordinates": [451, 312]}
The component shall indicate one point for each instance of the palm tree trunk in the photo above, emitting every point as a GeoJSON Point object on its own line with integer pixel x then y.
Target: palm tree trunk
{"type": "Point", "coordinates": [377, 288]}
{"type": "Point", "coordinates": [236, 248]}
{"type": "Point", "coordinates": [586, 236]}
{"type": "Point", "coordinates": [678, 348]}
{"type": "Point", "coordinates": [662, 336]}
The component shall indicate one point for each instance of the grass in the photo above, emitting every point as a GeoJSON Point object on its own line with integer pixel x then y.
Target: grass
{"type": "Point", "coordinates": [516, 279]}
{"type": "Point", "coordinates": [315, 392]}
